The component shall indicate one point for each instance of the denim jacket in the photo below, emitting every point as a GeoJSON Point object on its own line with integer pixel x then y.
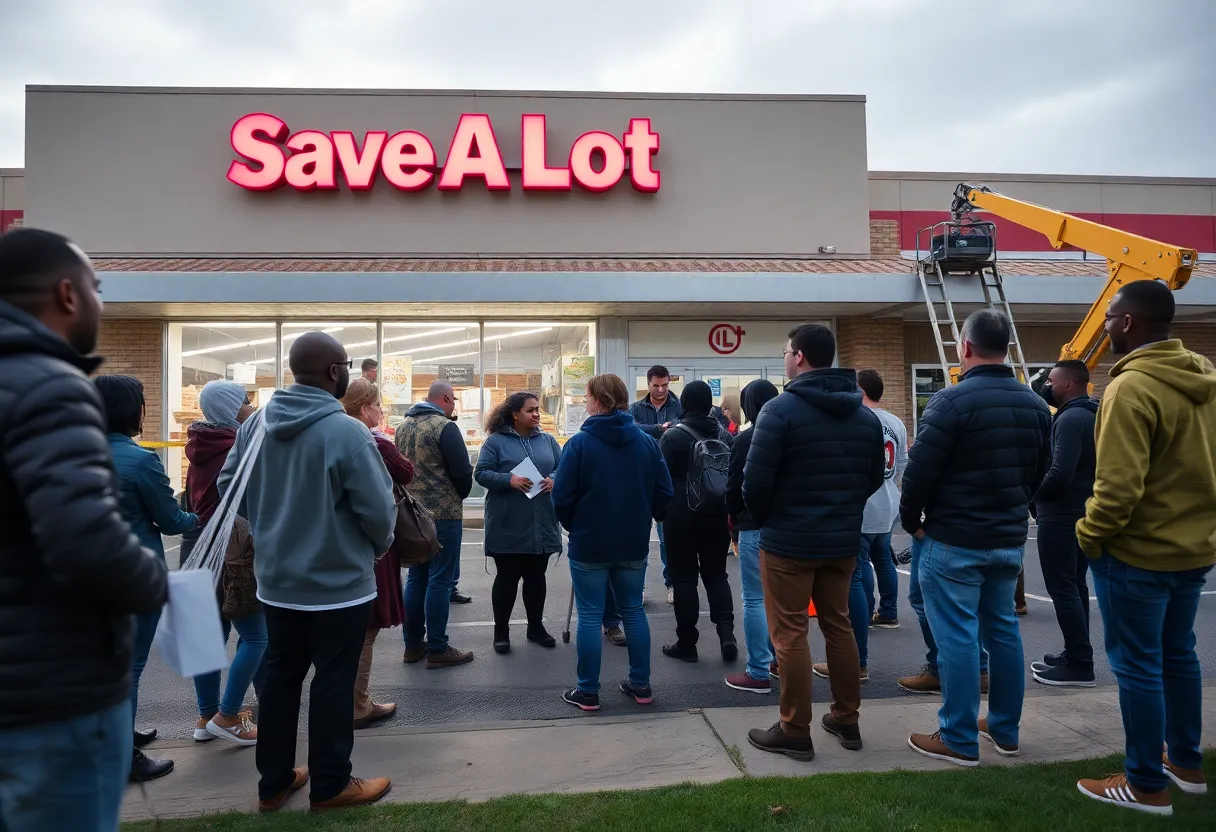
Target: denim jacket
{"type": "Point", "coordinates": [145, 496]}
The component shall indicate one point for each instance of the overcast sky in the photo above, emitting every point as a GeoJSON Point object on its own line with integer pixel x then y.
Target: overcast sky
{"type": "Point", "coordinates": [1040, 86]}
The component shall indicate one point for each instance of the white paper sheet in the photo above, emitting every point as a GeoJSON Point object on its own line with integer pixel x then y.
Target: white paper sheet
{"type": "Point", "coordinates": [527, 469]}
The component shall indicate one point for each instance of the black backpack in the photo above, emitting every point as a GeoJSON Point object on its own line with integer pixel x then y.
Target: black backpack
{"type": "Point", "coordinates": [708, 467]}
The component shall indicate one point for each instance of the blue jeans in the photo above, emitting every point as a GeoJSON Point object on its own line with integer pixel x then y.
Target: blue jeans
{"type": "Point", "coordinates": [590, 582]}
{"type": "Point", "coordinates": [145, 631]}
{"type": "Point", "coordinates": [612, 615]}
{"type": "Point", "coordinates": [66, 775]}
{"type": "Point", "coordinates": [881, 559]}
{"type": "Point", "coordinates": [1149, 619]}
{"type": "Point", "coordinates": [861, 598]}
{"type": "Point", "coordinates": [969, 592]}
{"type": "Point", "coordinates": [246, 668]}
{"type": "Point", "coordinates": [663, 556]}
{"type": "Point", "coordinates": [916, 599]}
{"type": "Point", "coordinates": [428, 591]}
{"type": "Point", "coordinates": [755, 623]}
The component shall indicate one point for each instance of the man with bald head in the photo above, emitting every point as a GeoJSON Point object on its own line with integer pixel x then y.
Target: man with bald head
{"type": "Point", "coordinates": [72, 575]}
{"type": "Point", "coordinates": [321, 510]}
{"type": "Point", "coordinates": [443, 477]}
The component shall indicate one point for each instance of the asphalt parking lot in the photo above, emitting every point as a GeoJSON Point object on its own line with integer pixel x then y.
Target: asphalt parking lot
{"type": "Point", "coordinates": [527, 683]}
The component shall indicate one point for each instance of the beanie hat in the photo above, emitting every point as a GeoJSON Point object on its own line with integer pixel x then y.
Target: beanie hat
{"type": "Point", "coordinates": [221, 401]}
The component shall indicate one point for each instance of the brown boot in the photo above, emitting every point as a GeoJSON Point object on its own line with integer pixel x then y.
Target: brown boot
{"type": "Point", "coordinates": [414, 654]}
{"type": "Point", "coordinates": [275, 803]}
{"type": "Point", "coordinates": [357, 793]}
{"type": "Point", "coordinates": [378, 712]}
{"type": "Point", "coordinates": [448, 658]}
{"type": "Point", "coordinates": [923, 682]}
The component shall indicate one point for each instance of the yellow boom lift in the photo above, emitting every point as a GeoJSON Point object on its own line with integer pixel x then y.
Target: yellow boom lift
{"type": "Point", "coordinates": [966, 245]}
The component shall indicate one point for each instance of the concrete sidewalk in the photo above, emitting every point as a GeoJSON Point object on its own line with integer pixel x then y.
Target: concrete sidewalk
{"type": "Point", "coordinates": [592, 753]}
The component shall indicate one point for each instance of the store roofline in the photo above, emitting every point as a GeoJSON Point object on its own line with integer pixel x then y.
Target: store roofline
{"type": "Point", "coordinates": [979, 178]}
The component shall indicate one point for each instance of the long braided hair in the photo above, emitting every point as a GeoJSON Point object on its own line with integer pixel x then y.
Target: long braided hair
{"type": "Point", "coordinates": [503, 415]}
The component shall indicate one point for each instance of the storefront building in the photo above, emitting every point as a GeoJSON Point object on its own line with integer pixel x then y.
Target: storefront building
{"type": "Point", "coordinates": [512, 241]}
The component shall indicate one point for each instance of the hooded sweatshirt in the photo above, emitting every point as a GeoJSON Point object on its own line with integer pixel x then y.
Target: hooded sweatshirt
{"type": "Point", "coordinates": [207, 447]}
{"type": "Point", "coordinates": [816, 456]}
{"type": "Point", "coordinates": [752, 398]}
{"type": "Point", "coordinates": [611, 482]}
{"type": "Point", "coordinates": [1154, 501]}
{"type": "Point", "coordinates": [1070, 479]}
{"type": "Point", "coordinates": [319, 502]}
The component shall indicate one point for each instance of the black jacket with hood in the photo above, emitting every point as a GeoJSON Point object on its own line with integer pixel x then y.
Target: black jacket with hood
{"type": "Point", "coordinates": [754, 396]}
{"type": "Point", "coordinates": [71, 572]}
{"type": "Point", "coordinates": [696, 403]}
{"type": "Point", "coordinates": [1070, 479]}
{"type": "Point", "coordinates": [816, 456]}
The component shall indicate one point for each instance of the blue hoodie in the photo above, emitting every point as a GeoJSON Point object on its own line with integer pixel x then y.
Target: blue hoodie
{"type": "Point", "coordinates": [319, 502]}
{"type": "Point", "coordinates": [611, 482]}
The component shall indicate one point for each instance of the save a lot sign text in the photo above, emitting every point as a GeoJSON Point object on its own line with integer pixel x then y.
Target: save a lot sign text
{"type": "Point", "coordinates": [271, 156]}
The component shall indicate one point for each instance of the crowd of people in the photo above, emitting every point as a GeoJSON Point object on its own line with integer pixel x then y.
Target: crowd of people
{"type": "Point", "coordinates": [806, 483]}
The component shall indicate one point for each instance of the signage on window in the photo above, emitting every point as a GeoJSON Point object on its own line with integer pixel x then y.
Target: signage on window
{"type": "Point", "coordinates": [270, 156]}
{"type": "Point", "coordinates": [458, 375]}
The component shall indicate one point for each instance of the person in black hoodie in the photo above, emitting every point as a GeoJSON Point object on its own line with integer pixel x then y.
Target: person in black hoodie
{"type": "Point", "coordinates": [755, 679]}
{"type": "Point", "coordinates": [72, 574]}
{"type": "Point", "coordinates": [698, 543]}
{"type": "Point", "coordinates": [1059, 504]}
{"type": "Point", "coordinates": [816, 457]}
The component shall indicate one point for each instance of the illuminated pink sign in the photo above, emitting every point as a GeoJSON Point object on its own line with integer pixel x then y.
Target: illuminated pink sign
{"type": "Point", "coordinates": [271, 156]}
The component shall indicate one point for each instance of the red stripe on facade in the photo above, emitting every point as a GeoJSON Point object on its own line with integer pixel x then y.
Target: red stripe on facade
{"type": "Point", "coordinates": [1187, 230]}
{"type": "Point", "coordinates": [7, 218]}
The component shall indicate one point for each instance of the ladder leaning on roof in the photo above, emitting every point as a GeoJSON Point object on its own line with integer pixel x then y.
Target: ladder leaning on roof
{"type": "Point", "coordinates": [962, 246]}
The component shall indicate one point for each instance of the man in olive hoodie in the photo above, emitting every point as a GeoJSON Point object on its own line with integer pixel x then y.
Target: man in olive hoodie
{"type": "Point", "coordinates": [1150, 530]}
{"type": "Point", "coordinates": [321, 510]}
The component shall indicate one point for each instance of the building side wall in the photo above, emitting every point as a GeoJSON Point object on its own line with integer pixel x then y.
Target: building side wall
{"type": "Point", "coordinates": [136, 348]}
{"type": "Point", "coordinates": [864, 343]}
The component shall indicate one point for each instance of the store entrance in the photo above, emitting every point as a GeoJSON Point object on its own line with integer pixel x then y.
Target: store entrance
{"type": "Point", "coordinates": [725, 382]}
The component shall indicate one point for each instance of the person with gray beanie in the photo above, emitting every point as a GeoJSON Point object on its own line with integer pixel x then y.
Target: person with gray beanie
{"type": "Point", "coordinates": [223, 403]}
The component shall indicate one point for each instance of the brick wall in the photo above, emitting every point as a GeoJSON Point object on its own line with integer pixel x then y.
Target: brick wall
{"type": "Point", "coordinates": [1200, 338]}
{"type": "Point", "coordinates": [867, 344]}
{"type": "Point", "coordinates": [136, 348]}
{"type": "Point", "coordinates": [884, 238]}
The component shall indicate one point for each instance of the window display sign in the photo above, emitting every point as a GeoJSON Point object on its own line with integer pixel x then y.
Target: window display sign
{"type": "Point", "coordinates": [462, 375]}
{"type": "Point", "coordinates": [397, 379]}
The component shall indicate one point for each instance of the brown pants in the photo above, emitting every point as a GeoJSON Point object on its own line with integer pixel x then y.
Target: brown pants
{"type": "Point", "coordinates": [790, 584]}
{"type": "Point", "coordinates": [363, 700]}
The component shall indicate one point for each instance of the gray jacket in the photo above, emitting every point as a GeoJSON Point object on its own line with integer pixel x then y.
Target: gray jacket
{"type": "Point", "coordinates": [513, 523]}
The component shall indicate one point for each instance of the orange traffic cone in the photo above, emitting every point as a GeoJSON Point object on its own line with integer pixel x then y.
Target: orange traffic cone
{"type": "Point", "coordinates": [810, 610]}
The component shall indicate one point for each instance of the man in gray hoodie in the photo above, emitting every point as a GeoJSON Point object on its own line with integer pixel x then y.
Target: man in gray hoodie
{"type": "Point", "coordinates": [320, 507]}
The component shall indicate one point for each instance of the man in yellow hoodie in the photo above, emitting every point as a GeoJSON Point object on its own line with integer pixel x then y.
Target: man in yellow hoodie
{"type": "Point", "coordinates": [1150, 530]}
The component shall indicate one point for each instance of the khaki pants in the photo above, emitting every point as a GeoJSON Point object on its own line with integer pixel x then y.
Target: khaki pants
{"type": "Point", "coordinates": [790, 584]}
{"type": "Point", "coordinates": [363, 700]}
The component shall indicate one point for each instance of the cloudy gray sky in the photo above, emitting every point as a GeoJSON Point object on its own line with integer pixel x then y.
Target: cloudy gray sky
{"type": "Point", "coordinates": [1051, 86]}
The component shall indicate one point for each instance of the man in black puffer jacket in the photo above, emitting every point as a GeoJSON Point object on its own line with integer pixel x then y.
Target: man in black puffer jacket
{"type": "Point", "coordinates": [982, 448]}
{"type": "Point", "coordinates": [71, 572]}
{"type": "Point", "coordinates": [816, 457]}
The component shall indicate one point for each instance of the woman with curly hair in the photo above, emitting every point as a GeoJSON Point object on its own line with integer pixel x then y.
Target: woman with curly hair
{"type": "Point", "coordinates": [520, 533]}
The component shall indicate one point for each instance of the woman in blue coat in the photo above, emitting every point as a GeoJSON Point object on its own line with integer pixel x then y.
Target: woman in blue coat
{"type": "Point", "coordinates": [520, 532]}
{"type": "Point", "coordinates": [146, 501]}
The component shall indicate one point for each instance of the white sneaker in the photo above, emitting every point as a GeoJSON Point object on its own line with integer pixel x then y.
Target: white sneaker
{"type": "Point", "coordinates": [671, 596]}
{"type": "Point", "coordinates": [243, 733]}
{"type": "Point", "coordinates": [200, 731]}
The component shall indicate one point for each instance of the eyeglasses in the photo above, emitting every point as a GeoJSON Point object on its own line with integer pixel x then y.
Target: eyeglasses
{"type": "Point", "coordinates": [784, 353]}
{"type": "Point", "coordinates": [350, 363]}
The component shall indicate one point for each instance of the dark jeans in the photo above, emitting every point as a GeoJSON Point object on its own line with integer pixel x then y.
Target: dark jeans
{"type": "Point", "coordinates": [331, 641]}
{"type": "Point", "coordinates": [1149, 620]}
{"type": "Point", "coordinates": [510, 570]}
{"type": "Point", "coordinates": [1064, 572]}
{"type": "Point", "coordinates": [145, 632]}
{"type": "Point", "coordinates": [698, 545]}
{"type": "Point", "coordinates": [861, 589]}
{"type": "Point", "coordinates": [427, 593]}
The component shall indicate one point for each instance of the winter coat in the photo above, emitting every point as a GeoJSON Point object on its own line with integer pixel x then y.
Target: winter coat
{"type": "Point", "coordinates": [515, 524]}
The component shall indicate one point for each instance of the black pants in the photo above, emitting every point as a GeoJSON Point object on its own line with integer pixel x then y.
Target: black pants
{"type": "Point", "coordinates": [1064, 569]}
{"type": "Point", "coordinates": [331, 641]}
{"type": "Point", "coordinates": [510, 570]}
{"type": "Point", "coordinates": [698, 545]}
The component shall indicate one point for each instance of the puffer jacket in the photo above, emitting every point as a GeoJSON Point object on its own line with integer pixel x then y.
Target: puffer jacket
{"type": "Point", "coordinates": [982, 448]}
{"type": "Point", "coordinates": [71, 572]}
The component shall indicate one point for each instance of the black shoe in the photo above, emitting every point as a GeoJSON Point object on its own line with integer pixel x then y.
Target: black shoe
{"type": "Point", "coordinates": [502, 640]}
{"type": "Point", "coordinates": [678, 651]}
{"type": "Point", "coordinates": [779, 742]}
{"type": "Point", "coordinates": [538, 635]}
{"type": "Point", "coordinates": [643, 696]}
{"type": "Point", "coordinates": [145, 768]}
{"type": "Point", "coordinates": [1050, 660]}
{"type": "Point", "coordinates": [458, 598]}
{"type": "Point", "coordinates": [142, 738]}
{"type": "Point", "coordinates": [1066, 676]}
{"type": "Point", "coordinates": [582, 701]}
{"type": "Point", "coordinates": [730, 649]}
{"type": "Point", "coordinates": [849, 735]}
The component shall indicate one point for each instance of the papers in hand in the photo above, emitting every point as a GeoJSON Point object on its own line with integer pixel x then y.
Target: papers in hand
{"type": "Point", "coordinates": [527, 470]}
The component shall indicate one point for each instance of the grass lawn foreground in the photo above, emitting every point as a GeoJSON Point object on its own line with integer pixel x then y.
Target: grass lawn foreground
{"type": "Point", "coordinates": [1030, 797]}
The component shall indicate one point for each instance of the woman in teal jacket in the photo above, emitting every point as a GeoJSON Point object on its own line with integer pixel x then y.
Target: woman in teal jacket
{"type": "Point", "coordinates": [146, 501]}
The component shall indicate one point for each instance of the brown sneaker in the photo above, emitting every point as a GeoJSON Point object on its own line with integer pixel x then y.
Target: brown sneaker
{"type": "Point", "coordinates": [923, 682]}
{"type": "Point", "coordinates": [378, 712]}
{"type": "Point", "coordinates": [237, 729]}
{"type": "Point", "coordinates": [201, 734]}
{"type": "Point", "coordinates": [616, 635]}
{"type": "Point", "coordinates": [1189, 780]}
{"type": "Point", "coordinates": [774, 671]}
{"type": "Point", "coordinates": [357, 793]}
{"type": "Point", "coordinates": [448, 658]}
{"type": "Point", "coordinates": [1003, 750]}
{"type": "Point", "coordinates": [414, 654]}
{"type": "Point", "coordinates": [1116, 791]}
{"type": "Point", "coordinates": [820, 669]}
{"type": "Point", "coordinates": [275, 803]}
{"type": "Point", "coordinates": [931, 745]}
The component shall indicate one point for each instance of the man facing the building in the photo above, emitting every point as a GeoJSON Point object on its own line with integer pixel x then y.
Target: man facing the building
{"type": "Point", "coordinates": [816, 457]}
{"type": "Point", "coordinates": [1150, 531]}
{"type": "Point", "coordinates": [1059, 504]}
{"type": "Point", "coordinates": [72, 575]}
{"type": "Point", "coordinates": [654, 414]}
{"type": "Point", "coordinates": [983, 446]}
{"type": "Point", "coordinates": [369, 369]}
{"type": "Point", "coordinates": [320, 508]}
{"type": "Point", "coordinates": [443, 478]}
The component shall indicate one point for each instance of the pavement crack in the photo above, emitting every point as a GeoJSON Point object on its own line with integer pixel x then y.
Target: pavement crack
{"type": "Point", "coordinates": [732, 751]}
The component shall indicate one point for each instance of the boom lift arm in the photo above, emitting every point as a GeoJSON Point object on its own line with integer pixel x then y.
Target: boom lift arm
{"type": "Point", "coordinates": [1129, 257]}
